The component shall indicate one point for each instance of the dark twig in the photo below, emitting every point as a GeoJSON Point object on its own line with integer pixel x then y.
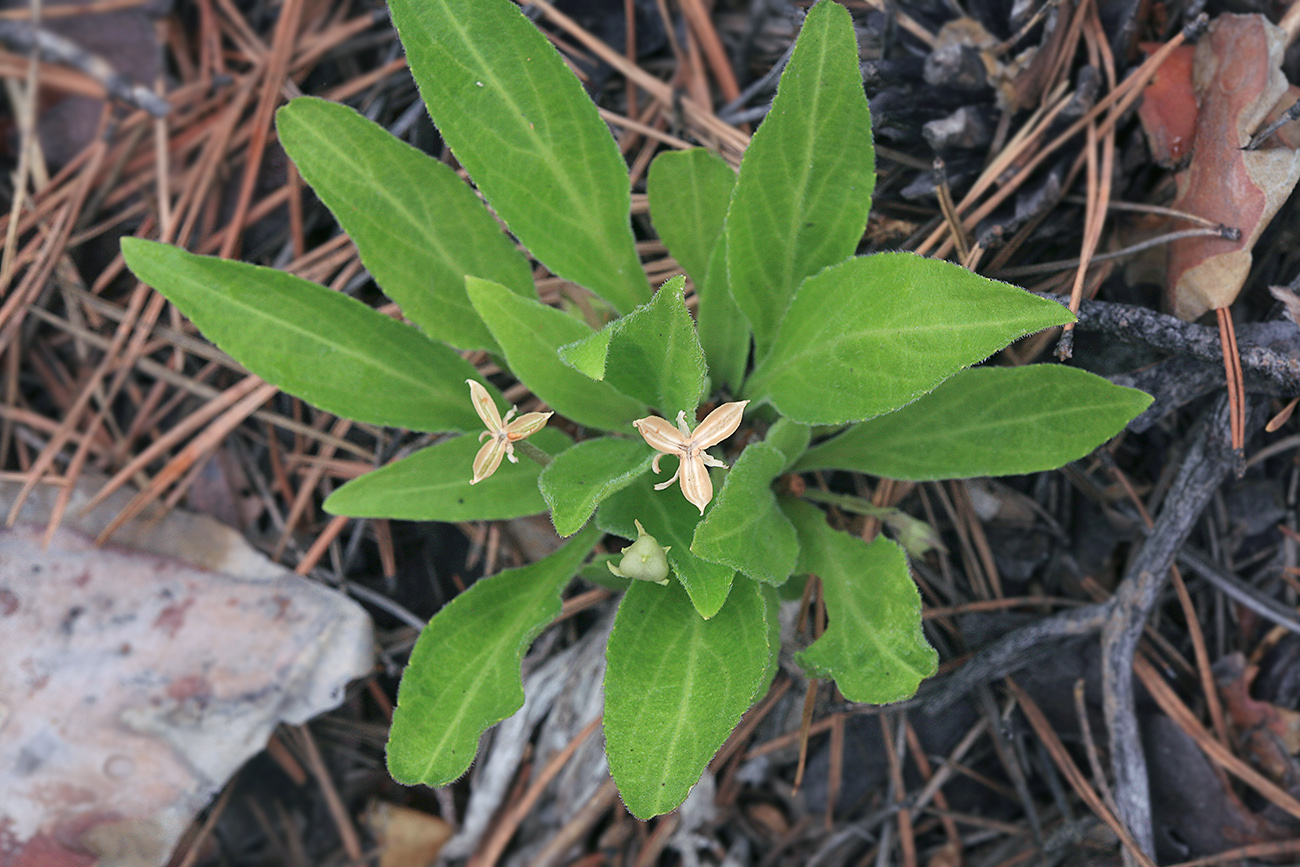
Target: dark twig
{"type": "Point", "coordinates": [1229, 233]}
{"type": "Point", "coordinates": [1234, 587]}
{"type": "Point", "coordinates": [1207, 462]}
{"type": "Point", "coordinates": [1120, 619]}
{"type": "Point", "coordinates": [22, 37]}
{"type": "Point", "coordinates": [1144, 326]}
{"type": "Point", "coordinates": [1292, 113]}
{"type": "Point", "coordinates": [1173, 382]}
{"type": "Point", "coordinates": [731, 110]}
{"type": "Point", "coordinates": [1010, 761]}
{"type": "Point", "coordinates": [1014, 651]}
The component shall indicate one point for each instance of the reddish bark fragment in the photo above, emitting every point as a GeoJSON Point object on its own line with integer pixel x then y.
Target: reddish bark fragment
{"type": "Point", "coordinates": [1238, 79]}
{"type": "Point", "coordinates": [1168, 110]}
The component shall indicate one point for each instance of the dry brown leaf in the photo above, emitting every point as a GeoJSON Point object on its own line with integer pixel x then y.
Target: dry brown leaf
{"type": "Point", "coordinates": [1269, 735]}
{"type": "Point", "coordinates": [1239, 81]}
{"type": "Point", "coordinates": [769, 818]}
{"type": "Point", "coordinates": [407, 837]}
{"type": "Point", "coordinates": [1006, 75]}
{"type": "Point", "coordinates": [947, 855]}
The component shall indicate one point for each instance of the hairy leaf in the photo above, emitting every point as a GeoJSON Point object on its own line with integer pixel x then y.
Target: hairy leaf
{"type": "Point", "coordinates": [987, 421]}
{"type": "Point", "coordinates": [668, 517]}
{"type": "Point", "coordinates": [873, 644]}
{"type": "Point", "coordinates": [689, 192]}
{"type": "Point", "coordinates": [521, 124]}
{"type": "Point", "coordinates": [329, 349]}
{"type": "Point", "coordinates": [433, 485]}
{"type": "Point", "coordinates": [869, 335]}
{"type": "Point", "coordinates": [651, 354]}
{"type": "Point", "coordinates": [530, 333]}
{"type": "Point", "coordinates": [579, 479]}
{"type": "Point", "coordinates": [745, 529]}
{"type": "Point", "coordinates": [464, 671]}
{"type": "Point", "coordinates": [791, 438]}
{"type": "Point", "coordinates": [806, 179]}
{"type": "Point", "coordinates": [676, 685]}
{"type": "Point", "coordinates": [419, 228]}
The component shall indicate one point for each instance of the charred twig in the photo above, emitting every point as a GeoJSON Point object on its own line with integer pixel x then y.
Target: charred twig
{"type": "Point", "coordinates": [733, 110]}
{"type": "Point", "coordinates": [1292, 113]}
{"type": "Point", "coordinates": [1014, 651]}
{"type": "Point", "coordinates": [1010, 761]}
{"type": "Point", "coordinates": [22, 37]}
{"type": "Point", "coordinates": [1121, 620]}
{"type": "Point", "coordinates": [1228, 233]}
{"type": "Point", "coordinates": [1207, 462]}
{"type": "Point", "coordinates": [1243, 593]}
{"type": "Point", "coordinates": [1169, 334]}
{"type": "Point", "coordinates": [1078, 782]}
{"type": "Point", "coordinates": [1174, 382]}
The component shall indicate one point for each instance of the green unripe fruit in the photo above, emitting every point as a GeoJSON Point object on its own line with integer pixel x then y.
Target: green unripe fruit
{"type": "Point", "coordinates": [643, 560]}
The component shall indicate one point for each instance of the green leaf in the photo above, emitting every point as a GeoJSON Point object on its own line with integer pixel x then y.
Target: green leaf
{"type": "Point", "coordinates": [523, 127]}
{"type": "Point", "coordinates": [772, 599]}
{"type": "Point", "coordinates": [791, 438]}
{"type": "Point", "coordinates": [675, 687]}
{"type": "Point", "coordinates": [805, 183]}
{"type": "Point", "coordinates": [576, 482]}
{"type": "Point", "coordinates": [668, 517]}
{"type": "Point", "coordinates": [433, 485]}
{"type": "Point", "coordinates": [419, 228]}
{"type": "Point", "coordinates": [869, 335]}
{"type": "Point", "coordinates": [530, 333]}
{"type": "Point", "coordinates": [745, 529]}
{"type": "Point", "coordinates": [464, 671]}
{"type": "Point", "coordinates": [597, 572]}
{"type": "Point", "coordinates": [873, 645]}
{"type": "Point", "coordinates": [689, 192]}
{"type": "Point", "coordinates": [588, 355]}
{"type": "Point", "coordinates": [326, 348]}
{"type": "Point", "coordinates": [651, 354]}
{"type": "Point", "coordinates": [723, 331]}
{"type": "Point", "coordinates": [986, 421]}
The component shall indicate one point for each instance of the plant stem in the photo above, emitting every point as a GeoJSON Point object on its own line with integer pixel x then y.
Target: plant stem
{"type": "Point", "coordinates": [916, 536]}
{"type": "Point", "coordinates": [528, 450]}
{"type": "Point", "coordinates": [849, 503]}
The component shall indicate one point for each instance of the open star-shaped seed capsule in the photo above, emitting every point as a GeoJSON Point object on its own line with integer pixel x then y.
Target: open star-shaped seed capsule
{"type": "Point", "coordinates": [503, 433]}
{"type": "Point", "coordinates": [689, 448]}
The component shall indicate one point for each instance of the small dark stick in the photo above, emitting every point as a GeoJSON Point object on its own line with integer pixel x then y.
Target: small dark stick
{"type": "Point", "coordinates": [1292, 113]}
{"type": "Point", "coordinates": [22, 37]}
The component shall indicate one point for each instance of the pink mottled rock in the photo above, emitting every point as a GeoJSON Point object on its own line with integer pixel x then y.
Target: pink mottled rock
{"type": "Point", "coordinates": [134, 683]}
